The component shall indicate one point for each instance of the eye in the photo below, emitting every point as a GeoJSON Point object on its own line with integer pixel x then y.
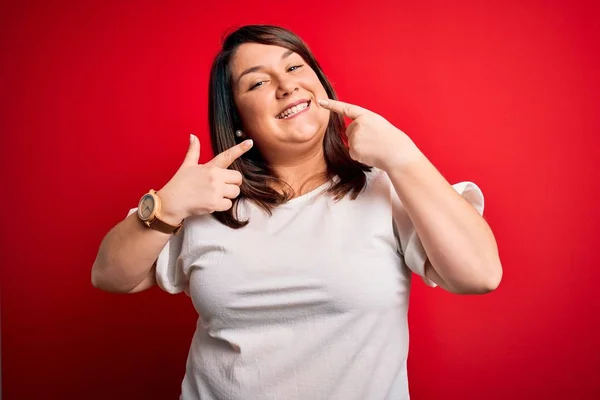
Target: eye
{"type": "Point", "coordinates": [294, 67]}
{"type": "Point", "coordinates": [257, 84]}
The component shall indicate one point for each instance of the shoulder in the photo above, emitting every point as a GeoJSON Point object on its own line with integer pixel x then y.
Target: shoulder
{"type": "Point", "coordinates": [376, 174]}
{"type": "Point", "coordinates": [377, 181]}
{"type": "Point", "coordinates": [376, 191]}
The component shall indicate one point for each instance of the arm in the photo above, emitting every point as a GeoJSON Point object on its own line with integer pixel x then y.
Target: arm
{"type": "Point", "coordinates": [125, 262]}
{"type": "Point", "coordinates": [460, 246]}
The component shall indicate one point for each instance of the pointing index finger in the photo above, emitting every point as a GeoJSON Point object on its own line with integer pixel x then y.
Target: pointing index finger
{"type": "Point", "coordinates": [349, 110]}
{"type": "Point", "coordinates": [227, 157]}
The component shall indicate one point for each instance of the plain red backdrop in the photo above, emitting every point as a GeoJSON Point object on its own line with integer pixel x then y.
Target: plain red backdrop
{"type": "Point", "coordinates": [97, 104]}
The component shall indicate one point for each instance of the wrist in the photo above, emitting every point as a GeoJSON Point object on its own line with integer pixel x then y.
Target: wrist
{"type": "Point", "coordinates": [403, 160]}
{"type": "Point", "coordinates": [168, 213]}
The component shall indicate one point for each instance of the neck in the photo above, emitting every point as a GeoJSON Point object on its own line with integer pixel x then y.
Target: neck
{"type": "Point", "coordinates": [303, 173]}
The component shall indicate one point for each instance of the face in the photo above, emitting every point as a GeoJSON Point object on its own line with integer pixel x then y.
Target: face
{"type": "Point", "coordinates": [276, 94]}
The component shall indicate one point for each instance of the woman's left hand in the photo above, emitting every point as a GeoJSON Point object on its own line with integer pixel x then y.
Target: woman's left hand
{"type": "Point", "coordinates": [372, 140]}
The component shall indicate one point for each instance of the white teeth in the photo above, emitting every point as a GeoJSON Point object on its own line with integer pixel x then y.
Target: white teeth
{"type": "Point", "coordinates": [293, 110]}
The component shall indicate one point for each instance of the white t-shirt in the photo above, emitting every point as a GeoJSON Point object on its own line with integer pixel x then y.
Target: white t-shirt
{"type": "Point", "coordinates": [309, 303]}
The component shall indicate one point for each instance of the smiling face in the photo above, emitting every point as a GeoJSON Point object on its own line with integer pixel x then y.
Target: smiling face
{"type": "Point", "coordinates": [276, 93]}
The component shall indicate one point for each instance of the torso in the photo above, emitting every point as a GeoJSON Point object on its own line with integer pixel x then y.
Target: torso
{"type": "Point", "coordinates": [310, 302]}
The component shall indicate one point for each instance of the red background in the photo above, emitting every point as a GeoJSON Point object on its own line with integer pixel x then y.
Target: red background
{"type": "Point", "coordinates": [97, 104]}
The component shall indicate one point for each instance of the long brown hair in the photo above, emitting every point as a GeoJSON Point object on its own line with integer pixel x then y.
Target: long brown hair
{"type": "Point", "coordinates": [259, 178]}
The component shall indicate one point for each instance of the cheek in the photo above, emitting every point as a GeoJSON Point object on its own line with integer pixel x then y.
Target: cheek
{"type": "Point", "coordinates": [312, 81]}
{"type": "Point", "coordinates": [321, 93]}
{"type": "Point", "coordinates": [314, 85]}
{"type": "Point", "coordinates": [253, 111]}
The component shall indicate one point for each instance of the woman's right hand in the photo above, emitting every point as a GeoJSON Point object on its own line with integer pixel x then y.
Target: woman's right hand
{"type": "Point", "coordinates": [198, 189]}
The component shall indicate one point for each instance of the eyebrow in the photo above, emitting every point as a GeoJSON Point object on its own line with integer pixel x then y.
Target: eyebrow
{"type": "Point", "coordinates": [259, 67]}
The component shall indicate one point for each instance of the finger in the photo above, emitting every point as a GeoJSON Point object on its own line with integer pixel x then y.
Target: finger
{"type": "Point", "coordinates": [231, 191]}
{"type": "Point", "coordinates": [349, 110]}
{"type": "Point", "coordinates": [351, 130]}
{"type": "Point", "coordinates": [352, 147]}
{"type": "Point", "coordinates": [232, 177]}
{"type": "Point", "coordinates": [352, 154]}
{"type": "Point", "coordinates": [224, 205]}
{"type": "Point", "coordinates": [226, 158]}
{"type": "Point", "coordinates": [193, 154]}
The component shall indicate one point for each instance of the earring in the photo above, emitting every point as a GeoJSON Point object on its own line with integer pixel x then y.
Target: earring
{"type": "Point", "coordinates": [239, 133]}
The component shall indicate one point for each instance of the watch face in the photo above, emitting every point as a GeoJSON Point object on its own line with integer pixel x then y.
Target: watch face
{"type": "Point", "coordinates": [146, 206]}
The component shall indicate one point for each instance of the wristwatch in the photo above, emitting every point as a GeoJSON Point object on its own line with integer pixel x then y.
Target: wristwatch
{"type": "Point", "coordinates": [149, 212]}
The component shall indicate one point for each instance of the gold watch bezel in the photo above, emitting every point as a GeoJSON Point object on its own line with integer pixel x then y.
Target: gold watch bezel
{"type": "Point", "coordinates": [154, 220]}
{"type": "Point", "coordinates": [155, 213]}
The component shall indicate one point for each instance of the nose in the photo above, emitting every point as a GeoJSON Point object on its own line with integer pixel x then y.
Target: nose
{"type": "Point", "coordinates": [286, 87]}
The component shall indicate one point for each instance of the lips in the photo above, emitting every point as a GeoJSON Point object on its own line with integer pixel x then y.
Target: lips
{"type": "Point", "coordinates": [293, 108]}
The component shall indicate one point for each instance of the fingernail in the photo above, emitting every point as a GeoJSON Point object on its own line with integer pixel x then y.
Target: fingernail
{"type": "Point", "coordinates": [191, 138]}
{"type": "Point", "coordinates": [249, 143]}
{"type": "Point", "coordinates": [323, 102]}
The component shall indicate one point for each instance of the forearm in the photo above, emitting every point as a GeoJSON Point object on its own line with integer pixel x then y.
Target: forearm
{"type": "Point", "coordinates": [126, 255]}
{"type": "Point", "coordinates": [460, 245]}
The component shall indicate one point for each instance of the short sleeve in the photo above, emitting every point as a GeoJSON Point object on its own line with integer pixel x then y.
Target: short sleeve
{"type": "Point", "coordinates": [170, 275]}
{"type": "Point", "coordinates": [411, 246]}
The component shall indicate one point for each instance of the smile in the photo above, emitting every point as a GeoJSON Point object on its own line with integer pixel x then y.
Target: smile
{"type": "Point", "coordinates": [294, 110]}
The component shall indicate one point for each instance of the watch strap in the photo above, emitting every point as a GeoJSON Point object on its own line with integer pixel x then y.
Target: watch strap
{"type": "Point", "coordinates": [163, 227]}
{"type": "Point", "coordinates": [155, 222]}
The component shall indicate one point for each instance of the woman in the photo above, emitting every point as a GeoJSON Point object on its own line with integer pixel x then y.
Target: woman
{"type": "Point", "coordinates": [297, 250]}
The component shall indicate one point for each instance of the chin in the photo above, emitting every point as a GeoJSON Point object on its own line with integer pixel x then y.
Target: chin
{"type": "Point", "coordinates": [306, 128]}
{"type": "Point", "coordinates": [311, 130]}
{"type": "Point", "coordinates": [307, 134]}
